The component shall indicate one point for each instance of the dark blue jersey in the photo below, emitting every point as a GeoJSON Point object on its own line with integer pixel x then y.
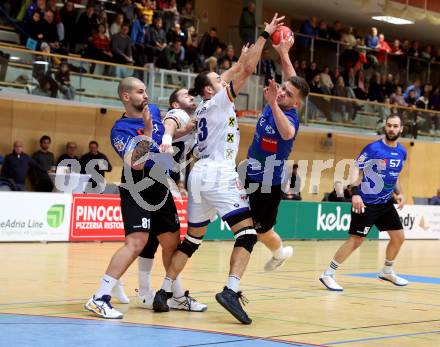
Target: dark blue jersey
{"type": "Point", "coordinates": [381, 165]}
{"type": "Point", "coordinates": [268, 146]}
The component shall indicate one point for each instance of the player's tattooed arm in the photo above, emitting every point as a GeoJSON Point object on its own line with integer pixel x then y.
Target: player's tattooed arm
{"type": "Point", "coordinates": [139, 153]}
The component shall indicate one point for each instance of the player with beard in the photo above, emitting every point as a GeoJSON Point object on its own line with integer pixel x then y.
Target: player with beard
{"type": "Point", "coordinates": [147, 206]}
{"type": "Point", "coordinates": [378, 169]}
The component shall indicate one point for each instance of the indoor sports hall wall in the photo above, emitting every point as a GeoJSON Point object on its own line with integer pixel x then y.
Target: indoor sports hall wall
{"type": "Point", "coordinates": [28, 121]}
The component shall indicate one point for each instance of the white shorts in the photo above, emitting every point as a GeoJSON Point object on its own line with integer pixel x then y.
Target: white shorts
{"type": "Point", "coordinates": [214, 190]}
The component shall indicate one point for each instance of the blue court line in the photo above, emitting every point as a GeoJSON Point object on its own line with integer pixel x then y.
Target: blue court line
{"type": "Point", "coordinates": [411, 278]}
{"type": "Point", "coordinates": [24, 330]}
{"type": "Point", "coordinates": [382, 337]}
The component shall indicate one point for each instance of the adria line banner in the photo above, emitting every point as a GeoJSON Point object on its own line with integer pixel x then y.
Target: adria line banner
{"type": "Point", "coordinates": [98, 217]}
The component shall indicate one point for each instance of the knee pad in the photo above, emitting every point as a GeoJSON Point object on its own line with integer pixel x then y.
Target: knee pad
{"type": "Point", "coordinates": [246, 238]}
{"type": "Point", "coordinates": [237, 218]}
{"type": "Point", "coordinates": [189, 245]}
{"type": "Point", "coordinates": [150, 248]}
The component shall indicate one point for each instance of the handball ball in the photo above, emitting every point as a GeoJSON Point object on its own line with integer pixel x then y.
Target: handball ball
{"type": "Point", "coordinates": [276, 36]}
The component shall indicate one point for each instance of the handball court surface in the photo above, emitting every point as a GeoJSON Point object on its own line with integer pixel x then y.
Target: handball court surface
{"type": "Point", "coordinates": [44, 287]}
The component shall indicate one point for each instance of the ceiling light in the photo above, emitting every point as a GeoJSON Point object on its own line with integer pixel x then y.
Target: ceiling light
{"type": "Point", "coordinates": [393, 20]}
{"type": "Point", "coordinates": [14, 58]}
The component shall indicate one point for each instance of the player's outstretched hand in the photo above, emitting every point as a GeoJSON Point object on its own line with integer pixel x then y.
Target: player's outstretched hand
{"type": "Point", "coordinates": [276, 22]}
{"type": "Point", "coordinates": [245, 52]}
{"type": "Point", "coordinates": [271, 92]}
{"type": "Point", "coordinates": [400, 201]}
{"type": "Point", "coordinates": [358, 205]}
{"type": "Point", "coordinates": [285, 44]}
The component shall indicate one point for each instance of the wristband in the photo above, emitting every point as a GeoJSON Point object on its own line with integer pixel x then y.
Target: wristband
{"type": "Point", "coordinates": [167, 139]}
{"type": "Point", "coordinates": [355, 190]}
{"type": "Point", "coordinates": [265, 34]}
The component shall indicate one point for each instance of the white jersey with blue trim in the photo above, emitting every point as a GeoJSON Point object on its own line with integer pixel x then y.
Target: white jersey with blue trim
{"type": "Point", "coordinates": [218, 136]}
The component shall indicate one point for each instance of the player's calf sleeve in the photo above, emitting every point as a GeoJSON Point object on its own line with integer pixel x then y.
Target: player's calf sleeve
{"type": "Point", "coordinates": [246, 238]}
{"type": "Point", "coordinates": [190, 244]}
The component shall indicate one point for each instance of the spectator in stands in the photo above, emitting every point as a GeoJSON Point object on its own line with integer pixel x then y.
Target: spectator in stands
{"type": "Point", "coordinates": [361, 88]}
{"type": "Point", "coordinates": [115, 28]}
{"type": "Point", "coordinates": [326, 81]}
{"type": "Point", "coordinates": [301, 72]}
{"type": "Point", "coordinates": [415, 51]}
{"type": "Point", "coordinates": [187, 14]}
{"type": "Point", "coordinates": [146, 8]}
{"type": "Point", "coordinates": [101, 46]}
{"type": "Point", "coordinates": [308, 27]}
{"type": "Point", "coordinates": [423, 101]}
{"type": "Point", "coordinates": [62, 77]}
{"type": "Point", "coordinates": [17, 166]}
{"type": "Point", "coordinates": [343, 109]}
{"type": "Point", "coordinates": [335, 75]}
{"type": "Point", "coordinates": [322, 31]}
{"type": "Point", "coordinates": [176, 33]}
{"type": "Point", "coordinates": [209, 43]}
{"type": "Point", "coordinates": [383, 49]}
{"type": "Point", "coordinates": [315, 85]}
{"type": "Point", "coordinates": [192, 56]}
{"type": "Point", "coordinates": [70, 154]}
{"type": "Point", "coordinates": [102, 20]}
{"type": "Point", "coordinates": [312, 71]}
{"type": "Point", "coordinates": [350, 78]}
{"type": "Point", "coordinates": [50, 32]}
{"type": "Point", "coordinates": [84, 27]}
{"type": "Point", "coordinates": [348, 38]}
{"type": "Point", "coordinates": [267, 67]}
{"type": "Point", "coordinates": [372, 40]}
{"type": "Point", "coordinates": [170, 58]}
{"type": "Point", "coordinates": [415, 87]}
{"type": "Point", "coordinates": [375, 90]}
{"type": "Point", "coordinates": [411, 99]}
{"type": "Point", "coordinates": [388, 86]}
{"type": "Point", "coordinates": [98, 161]}
{"type": "Point", "coordinates": [335, 31]}
{"type": "Point", "coordinates": [435, 200]}
{"type": "Point", "coordinates": [229, 56]}
{"type": "Point", "coordinates": [396, 48]}
{"type": "Point", "coordinates": [36, 6]}
{"type": "Point", "coordinates": [294, 191]}
{"type": "Point", "coordinates": [121, 46]}
{"type": "Point", "coordinates": [139, 39]}
{"type": "Point", "coordinates": [128, 9]}
{"type": "Point", "coordinates": [426, 53]}
{"type": "Point", "coordinates": [34, 28]}
{"type": "Point", "coordinates": [68, 16]}
{"type": "Point", "coordinates": [397, 97]}
{"type": "Point", "coordinates": [247, 24]}
{"type": "Point", "coordinates": [46, 161]}
{"type": "Point", "coordinates": [156, 40]}
{"type": "Point", "coordinates": [171, 14]}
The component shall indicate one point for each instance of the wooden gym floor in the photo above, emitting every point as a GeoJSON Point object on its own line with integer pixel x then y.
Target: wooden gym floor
{"type": "Point", "coordinates": [43, 288]}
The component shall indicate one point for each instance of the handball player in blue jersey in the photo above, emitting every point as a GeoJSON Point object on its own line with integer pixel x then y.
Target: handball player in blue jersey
{"type": "Point", "coordinates": [374, 181]}
{"type": "Point", "coordinates": [275, 133]}
{"type": "Point", "coordinates": [147, 206]}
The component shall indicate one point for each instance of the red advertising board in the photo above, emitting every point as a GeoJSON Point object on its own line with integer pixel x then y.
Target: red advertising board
{"type": "Point", "coordinates": [98, 218]}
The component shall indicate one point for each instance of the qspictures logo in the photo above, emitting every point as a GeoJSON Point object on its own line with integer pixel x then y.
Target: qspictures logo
{"type": "Point", "coordinates": [55, 216]}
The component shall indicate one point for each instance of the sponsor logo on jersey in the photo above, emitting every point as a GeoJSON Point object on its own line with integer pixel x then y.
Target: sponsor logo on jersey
{"type": "Point", "coordinates": [231, 121]}
{"type": "Point", "coordinates": [230, 138]}
{"type": "Point", "coordinates": [119, 144]}
{"type": "Point", "coordinates": [269, 130]}
{"type": "Point", "coordinates": [262, 120]}
{"type": "Point", "coordinates": [229, 154]}
{"type": "Point", "coordinates": [269, 145]}
{"type": "Point", "coordinates": [362, 158]}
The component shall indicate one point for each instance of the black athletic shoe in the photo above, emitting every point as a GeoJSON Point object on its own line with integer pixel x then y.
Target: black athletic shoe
{"type": "Point", "coordinates": [230, 300]}
{"type": "Point", "coordinates": [160, 301]}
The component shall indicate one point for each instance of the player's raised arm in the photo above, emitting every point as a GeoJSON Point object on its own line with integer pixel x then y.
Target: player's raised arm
{"type": "Point", "coordinates": [249, 60]}
{"type": "Point", "coordinates": [282, 49]}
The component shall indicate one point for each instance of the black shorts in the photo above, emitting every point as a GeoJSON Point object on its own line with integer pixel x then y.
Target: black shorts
{"type": "Point", "coordinates": [383, 216]}
{"type": "Point", "coordinates": [264, 206]}
{"type": "Point", "coordinates": [137, 219]}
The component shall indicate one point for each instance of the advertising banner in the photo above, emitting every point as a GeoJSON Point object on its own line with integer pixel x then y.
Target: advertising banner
{"type": "Point", "coordinates": [34, 216]}
{"type": "Point", "coordinates": [419, 222]}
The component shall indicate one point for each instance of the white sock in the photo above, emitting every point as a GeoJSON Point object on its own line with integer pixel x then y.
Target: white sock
{"type": "Point", "coordinates": [144, 274]}
{"type": "Point", "coordinates": [279, 253]}
{"type": "Point", "coordinates": [178, 291]}
{"type": "Point", "coordinates": [234, 283]}
{"type": "Point", "coordinates": [388, 266]}
{"type": "Point", "coordinates": [167, 284]}
{"type": "Point", "coordinates": [332, 268]}
{"type": "Point", "coordinates": [106, 286]}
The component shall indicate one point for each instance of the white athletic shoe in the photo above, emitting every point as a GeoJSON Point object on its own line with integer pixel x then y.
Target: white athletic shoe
{"type": "Point", "coordinates": [145, 300]}
{"type": "Point", "coordinates": [103, 308]}
{"type": "Point", "coordinates": [393, 278]}
{"type": "Point", "coordinates": [119, 293]}
{"type": "Point", "coordinates": [187, 303]}
{"type": "Point", "coordinates": [330, 282]}
{"type": "Point", "coordinates": [274, 263]}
